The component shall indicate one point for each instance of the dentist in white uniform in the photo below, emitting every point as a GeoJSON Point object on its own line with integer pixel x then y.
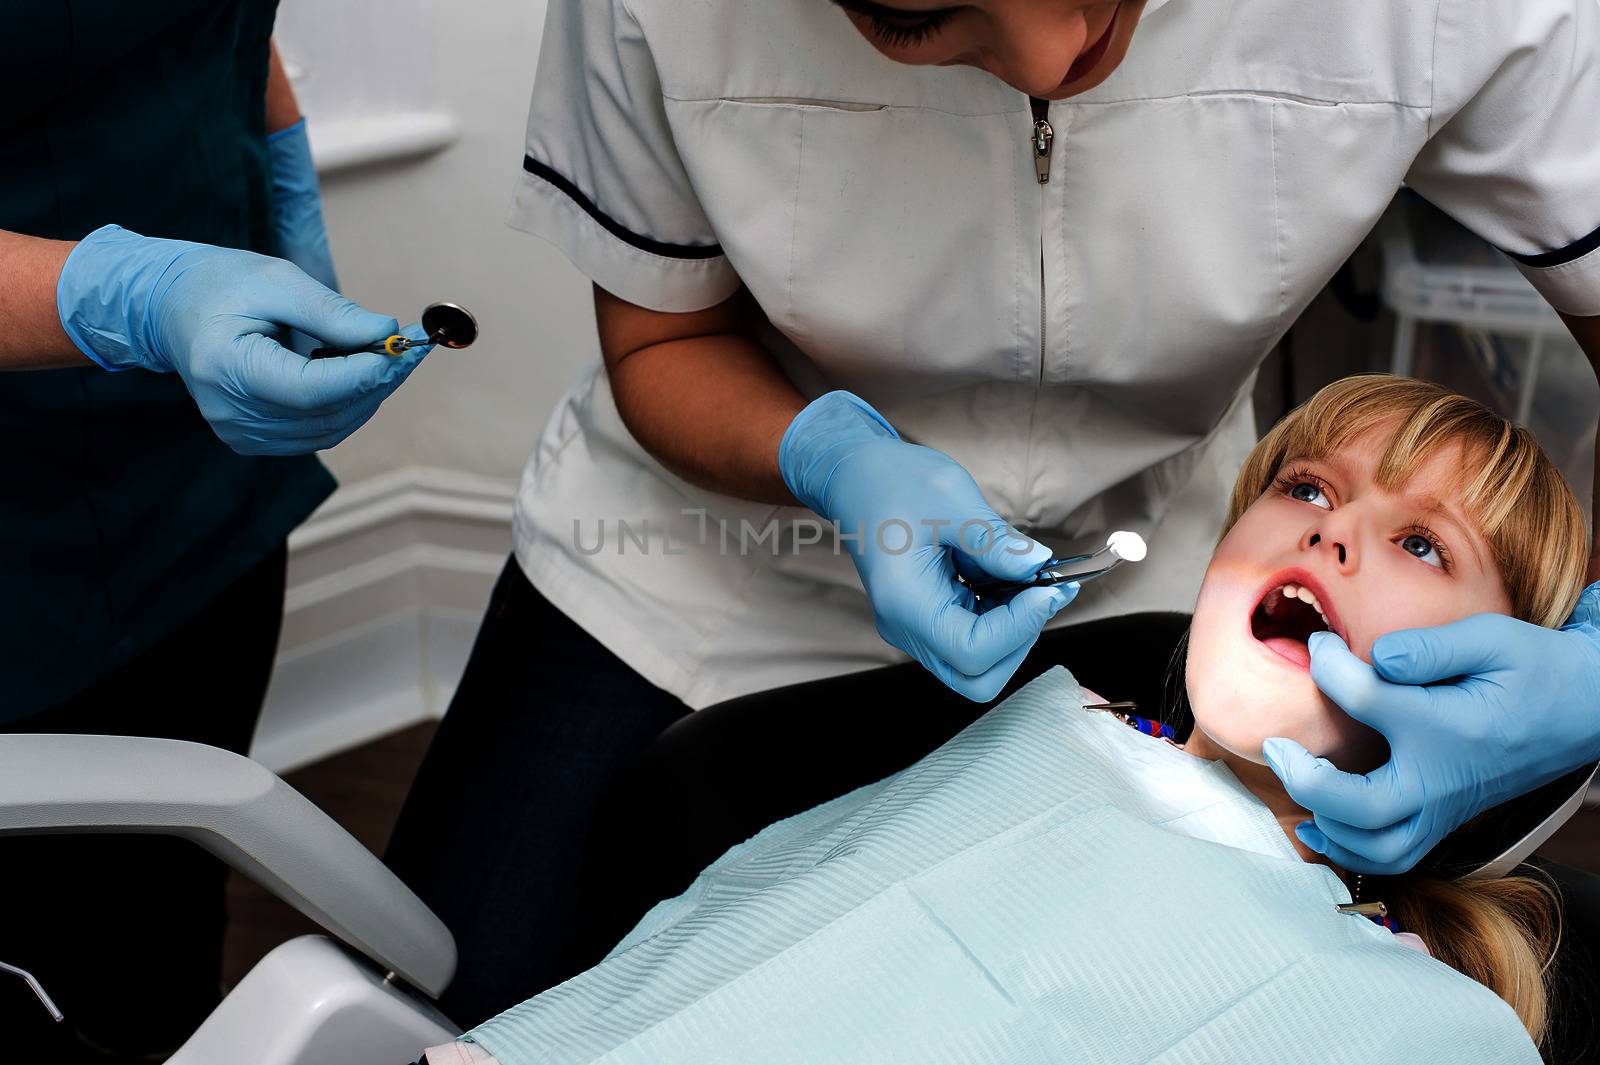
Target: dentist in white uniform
{"type": "Point", "coordinates": [1050, 240]}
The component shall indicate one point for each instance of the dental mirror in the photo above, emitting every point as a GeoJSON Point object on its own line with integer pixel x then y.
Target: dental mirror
{"type": "Point", "coordinates": [449, 324]}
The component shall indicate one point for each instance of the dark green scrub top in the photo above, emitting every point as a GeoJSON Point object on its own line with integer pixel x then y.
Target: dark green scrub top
{"type": "Point", "coordinates": [121, 513]}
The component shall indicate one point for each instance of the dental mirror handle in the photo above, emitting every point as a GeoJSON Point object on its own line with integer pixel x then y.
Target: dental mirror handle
{"type": "Point", "coordinates": [394, 345]}
{"type": "Point", "coordinates": [1121, 546]}
{"type": "Point", "coordinates": [1057, 571]}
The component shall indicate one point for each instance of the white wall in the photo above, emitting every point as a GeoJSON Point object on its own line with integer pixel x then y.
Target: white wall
{"type": "Point", "coordinates": [388, 580]}
{"type": "Point", "coordinates": [408, 232]}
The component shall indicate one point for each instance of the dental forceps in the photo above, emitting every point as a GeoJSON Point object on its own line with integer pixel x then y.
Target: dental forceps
{"type": "Point", "coordinates": [1121, 546]}
{"type": "Point", "coordinates": [447, 324]}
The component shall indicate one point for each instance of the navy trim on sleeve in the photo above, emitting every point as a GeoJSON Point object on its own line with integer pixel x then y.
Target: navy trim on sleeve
{"type": "Point", "coordinates": [1576, 250]}
{"type": "Point", "coordinates": [612, 226]}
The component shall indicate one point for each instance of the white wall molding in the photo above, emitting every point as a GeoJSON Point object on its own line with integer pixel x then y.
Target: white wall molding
{"type": "Point", "coordinates": [344, 144]}
{"type": "Point", "coordinates": [407, 491]}
{"type": "Point", "coordinates": [387, 583]}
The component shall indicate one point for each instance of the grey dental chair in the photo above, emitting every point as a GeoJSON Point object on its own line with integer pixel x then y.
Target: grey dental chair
{"type": "Point", "coordinates": [358, 998]}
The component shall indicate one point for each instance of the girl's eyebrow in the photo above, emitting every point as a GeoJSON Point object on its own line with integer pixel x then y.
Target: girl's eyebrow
{"type": "Point", "coordinates": [876, 10]}
{"type": "Point", "coordinates": [1434, 507]}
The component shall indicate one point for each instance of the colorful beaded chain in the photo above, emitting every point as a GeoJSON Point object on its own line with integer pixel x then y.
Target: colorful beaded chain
{"type": "Point", "coordinates": [1151, 727]}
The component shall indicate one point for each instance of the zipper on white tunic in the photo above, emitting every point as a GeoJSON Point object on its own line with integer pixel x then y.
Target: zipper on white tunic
{"type": "Point", "coordinates": [1042, 142]}
{"type": "Point", "coordinates": [1042, 139]}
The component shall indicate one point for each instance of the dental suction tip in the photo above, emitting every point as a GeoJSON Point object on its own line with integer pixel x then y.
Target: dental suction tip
{"type": "Point", "coordinates": [1127, 545]}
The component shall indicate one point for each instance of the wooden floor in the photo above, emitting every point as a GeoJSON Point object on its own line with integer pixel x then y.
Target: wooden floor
{"type": "Point", "coordinates": [362, 789]}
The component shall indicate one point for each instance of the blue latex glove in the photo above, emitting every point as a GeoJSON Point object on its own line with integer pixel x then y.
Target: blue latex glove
{"type": "Point", "coordinates": [297, 228]}
{"type": "Point", "coordinates": [844, 461]}
{"type": "Point", "coordinates": [216, 316]}
{"type": "Point", "coordinates": [1525, 709]}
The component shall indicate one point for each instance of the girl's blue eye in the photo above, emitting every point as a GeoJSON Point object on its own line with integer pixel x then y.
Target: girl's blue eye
{"type": "Point", "coordinates": [1307, 492]}
{"type": "Point", "coordinates": [1423, 548]}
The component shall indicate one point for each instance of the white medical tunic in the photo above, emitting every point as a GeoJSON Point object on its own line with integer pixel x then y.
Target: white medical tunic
{"type": "Point", "coordinates": [1084, 347]}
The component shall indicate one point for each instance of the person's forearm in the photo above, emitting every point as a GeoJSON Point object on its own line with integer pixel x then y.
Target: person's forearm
{"type": "Point", "coordinates": [283, 110]}
{"type": "Point", "coordinates": [32, 337]}
{"type": "Point", "coordinates": [700, 394]}
{"type": "Point", "coordinates": [1586, 331]}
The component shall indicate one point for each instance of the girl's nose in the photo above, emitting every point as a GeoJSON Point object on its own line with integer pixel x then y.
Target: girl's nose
{"type": "Point", "coordinates": [1335, 544]}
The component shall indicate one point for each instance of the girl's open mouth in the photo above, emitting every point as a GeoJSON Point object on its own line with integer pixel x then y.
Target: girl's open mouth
{"type": "Point", "coordinates": [1288, 612]}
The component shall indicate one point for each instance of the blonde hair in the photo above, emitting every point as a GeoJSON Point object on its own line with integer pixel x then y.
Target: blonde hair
{"type": "Point", "coordinates": [1502, 933]}
{"type": "Point", "coordinates": [1509, 487]}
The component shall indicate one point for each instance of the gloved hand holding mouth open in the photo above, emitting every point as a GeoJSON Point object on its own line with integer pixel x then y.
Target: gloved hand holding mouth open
{"type": "Point", "coordinates": [909, 515]}
{"type": "Point", "coordinates": [1476, 712]}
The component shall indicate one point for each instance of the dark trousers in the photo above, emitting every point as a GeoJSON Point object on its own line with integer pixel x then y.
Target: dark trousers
{"type": "Point", "coordinates": [493, 831]}
{"type": "Point", "coordinates": [125, 932]}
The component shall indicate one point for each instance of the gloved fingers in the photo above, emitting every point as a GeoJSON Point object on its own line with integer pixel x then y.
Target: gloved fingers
{"type": "Point", "coordinates": [386, 374]}
{"type": "Point", "coordinates": [258, 433]}
{"type": "Point", "coordinates": [1462, 648]}
{"type": "Point", "coordinates": [975, 644]}
{"type": "Point", "coordinates": [298, 301]}
{"type": "Point", "coordinates": [1378, 852]}
{"type": "Point", "coordinates": [278, 380]}
{"type": "Point", "coordinates": [1373, 800]}
{"type": "Point", "coordinates": [1360, 691]}
{"type": "Point", "coordinates": [242, 369]}
{"type": "Point", "coordinates": [400, 366]}
{"type": "Point", "coordinates": [994, 546]}
{"type": "Point", "coordinates": [987, 685]}
{"type": "Point", "coordinates": [306, 445]}
{"type": "Point", "coordinates": [321, 433]}
{"type": "Point", "coordinates": [300, 343]}
{"type": "Point", "coordinates": [251, 442]}
{"type": "Point", "coordinates": [1586, 613]}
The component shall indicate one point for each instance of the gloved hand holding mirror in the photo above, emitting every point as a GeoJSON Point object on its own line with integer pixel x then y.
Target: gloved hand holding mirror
{"type": "Point", "coordinates": [220, 318]}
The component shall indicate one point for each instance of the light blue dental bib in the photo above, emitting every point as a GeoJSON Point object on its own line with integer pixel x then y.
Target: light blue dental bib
{"type": "Point", "coordinates": [1049, 886]}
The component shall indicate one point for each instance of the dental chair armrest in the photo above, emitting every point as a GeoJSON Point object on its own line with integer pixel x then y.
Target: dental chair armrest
{"type": "Point", "coordinates": [240, 812]}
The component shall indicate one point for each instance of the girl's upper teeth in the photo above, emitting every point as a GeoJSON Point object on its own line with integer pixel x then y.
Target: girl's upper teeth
{"type": "Point", "coordinates": [1295, 591]}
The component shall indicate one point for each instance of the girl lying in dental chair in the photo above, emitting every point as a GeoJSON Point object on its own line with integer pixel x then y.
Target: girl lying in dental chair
{"type": "Point", "coordinates": [979, 905]}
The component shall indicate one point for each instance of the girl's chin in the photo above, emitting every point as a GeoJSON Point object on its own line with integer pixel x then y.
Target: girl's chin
{"type": "Point", "coordinates": [1220, 741]}
{"type": "Point", "coordinates": [1353, 749]}
{"type": "Point", "coordinates": [1242, 729]}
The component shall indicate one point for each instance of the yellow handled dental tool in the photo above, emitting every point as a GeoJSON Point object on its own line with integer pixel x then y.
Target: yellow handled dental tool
{"type": "Point", "coordinates": [447, 325]}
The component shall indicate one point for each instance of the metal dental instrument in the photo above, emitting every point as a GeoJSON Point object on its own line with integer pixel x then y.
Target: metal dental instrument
{"type": "Point", "coordinates": [1121, 546]}
{"type": "Point", "coordinates": [38, 989]}
{"type": "Point", "coordinates": [447, 324]}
